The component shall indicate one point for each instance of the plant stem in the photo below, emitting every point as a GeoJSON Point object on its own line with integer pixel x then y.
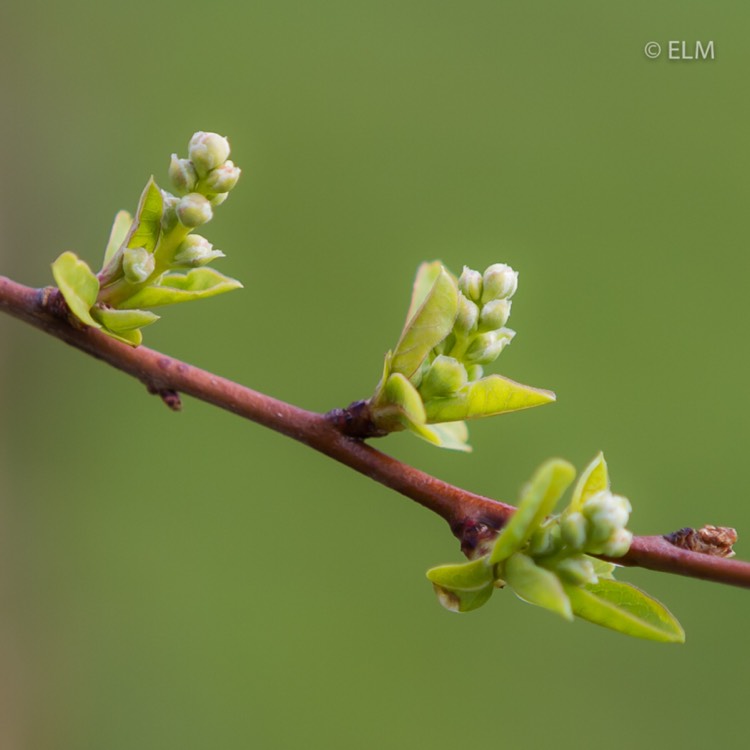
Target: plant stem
{"type": "Point", "coordinates": [472, 518]}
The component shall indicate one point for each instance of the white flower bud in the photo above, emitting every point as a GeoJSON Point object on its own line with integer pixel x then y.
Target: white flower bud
{"type": "Point", "coordinates": [169, 213]}
{"type": "Point", "coordinates": [577, 569]}
{"type": "Point", "coordinates": [196, 251]}
{"type": "Point", "coordinates": [500, 281]}
{"type": "Point", "coordinates": [194, 210]}
{"type": "Point", "coordinates": [468, 314]}
{"type": "Point", "coordinates": [486, 347]}
{"type": "Point", "coordinates": [618, 544]}
{"type": "Point", "coordinates": [470, 284]}
{"type": "Point", "coordinates": [207, 151]}
{"type": "Point", "coordinates": [183, 175]}
{"type": "Point", "coordinates": [137, 264]}
{"type": "Point", "coordinates": [222, 179]}
{"type": "Point", "coordinates": [494, 314]}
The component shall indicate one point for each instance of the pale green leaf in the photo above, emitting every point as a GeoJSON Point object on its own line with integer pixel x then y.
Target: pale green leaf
{"type": "Point", "coordinates": [134, 337]}
{"type": "Point", "coordinates": [463, 601]}
{"type": "Point", "coordinates": [78, 284]}
{"type": "Point", "coordinates": [124, 320]}
{"type": "Point", "coordinates": [427, 327]}
{"type": "Point", "coordinates": [594, 478]}
{"type": "Point", "coordinates": [177, 287]}
{"type": "Point", "coordinates": [119, 231]}
{"type": "Point", "coordinates": [538, 498]}
{"type": "Point", "coordinates": [427, 274]}
{"type": "Point", "coordinates": [450, 435]}
{"type": "Point", "coordinates": [484, 398]}
{"type": "Point", "coordinates": [470, 576]}
{"type": "Point", "coordinates": [146, 227]}
{"type": "Point", "coordinates": [602, 569]}
{"type": "Point", "coordinates": [399, 392]}
{"type": "Point", "coordinates": [536, 585]}
{"type": "Point", "coordinates": [625, 608]}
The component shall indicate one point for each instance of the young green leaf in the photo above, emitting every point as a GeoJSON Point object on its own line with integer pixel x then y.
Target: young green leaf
{"type": "Point", "coordinates": [119, 231]}
{"type": "Point", "coordinates": [78, 284]}
{"type": "Point", "coordinates": [124, 320]}
{"type": "Point", "coordinates": [133, 338]}
{"type": "Point", "coordinates": [428, 326]}
{"type": "Point", "coordinates": [178, 287]}
{"type": "Point", "coordinates": [463, 601]}
{"type": "Point", "coordinates": [146, 227]}
{"type": "Point", "coordinates": [484, 398]}
{"type": "Point", "coordinates": [425, 279]}
{"type": "Point", "coordinates": [470, 576]}
{"type": "Point", "coordinates": [450, 435]}
{"type": "Point", "coordinates": [536, 585]}
{"type": "Point", "coordinates": [538, 499]}
{"type": "Point", "coordinates": [594, 478]}
{"type": "Point", "coordinates": [625, 608]}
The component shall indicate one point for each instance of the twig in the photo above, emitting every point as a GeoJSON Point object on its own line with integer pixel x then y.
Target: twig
{"type": "Point", "coordinates": [472, 518]}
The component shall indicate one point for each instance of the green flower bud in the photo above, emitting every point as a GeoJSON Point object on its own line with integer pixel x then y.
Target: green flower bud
{"type": "Point", "coordinates": [169, 214]}
{"type": "Point", "coordinates": [207, 151]}
{"type": "Point", "coordinates": [218, 199]}
{"type": "Point", "coordinates": [194, 210]}
{"type": "Point", "coordinates": [470, 284]}
{"type": "Point", "coordinates": [574, 527]}
{"type": "Point", "coordinates": [500, 281]}
{"type": "Point", "coordinates": [494, 314]}
{"type": "Point", "coordinates": [196, 251]}
{"type": "Point", "coordinates": [222, 179]}
{"type": "Point", "coordinates": [618, 544]}
{"type": "Point", "coordinates": [545, 540]}
{"type": "Point", "coordinates": [446, 376]}
{"type": "Point", "coordinates": [137, 264]}
{"type": "Point", "coordinates": [183, 175]}
{"type": "Point", "coordinates": [486, 347]}
{"type": "Point", "coordinates": [577, 569]}
{"type": "Point", "coordinates": [468, 314]}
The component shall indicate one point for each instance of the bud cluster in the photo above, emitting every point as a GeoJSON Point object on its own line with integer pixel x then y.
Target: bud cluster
{"type": "Point", "coordinates": [479, 333]}
{"type": "Point", "coordinates": [202, 181]}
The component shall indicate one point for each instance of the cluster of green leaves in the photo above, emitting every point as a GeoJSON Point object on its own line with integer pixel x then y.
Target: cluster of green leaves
{"type": "Point", "coordinates": [545, 559]}
{"type": "Point", "coordinates": [434, 378]}
{"type": "Point", "coordinates": [152, 259]}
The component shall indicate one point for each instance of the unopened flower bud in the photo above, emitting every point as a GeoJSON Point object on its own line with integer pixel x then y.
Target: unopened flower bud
{"type": "Point", "coordinates": [137, 264]}
{"type": "Point", "coordinates": [470, 284]}
{"type": "Point", "coordinates": [486, 347]}
{"type": "Point", "coordinates": [218, 199]}
{"type": "Point", "coordinates": [577, 569]}
{"type": "Point", "coordinates": [474, 372]}
{"type": "Point", "coordinates": [207, 151]}
{"type": "Point", "coordinates": [183, 175]}
{"type": "Point", "coordinates": [194, 210]}
{"type": "Point", "coordinates": [196, 251]}
{"type": "Point", "coordinates": [222, 179]}
{"type": "Point", "coordinates": [500, 281]}
{"type": "Point", "coordinates": [468, 315]}
{"type": "Point", "coordinates": [573, 528]}
{"type": "Point", "coordinates": [618, 544]}
{"type": "Point", "coordinates": [169, 212]}
{"type": "Point", "coordinates": [545, 540]}
{"type": "Point", "coordinates": [494, 314]}
{"type": "Point", "coordinates": [446, 376]}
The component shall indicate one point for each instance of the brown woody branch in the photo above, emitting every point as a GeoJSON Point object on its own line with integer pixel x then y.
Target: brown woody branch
{"type": "Point", "coordinates": [472, 518]}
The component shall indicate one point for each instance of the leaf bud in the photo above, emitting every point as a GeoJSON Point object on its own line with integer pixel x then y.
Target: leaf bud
{"type": "Point", "coordinates": [500, 281]}
{"type": "Point", "coordinates": [573, 528]}
{"type": "Point", "coordinates": [194, 210]}
{"type": "Point", "coordinates": [577, 569]}
{"type": "Point", "coordinates": [486, 347]}
{"type": "Point", "coordinates": [446, 376]}
{"type": "Point", "coordinates": [221, 179]}
{"type": "Point", "coordinates": [470, 284]}
{"type": "Point", "coordinates": [183, 175]}
{"type": "Point", "coordinates": [207, 151]}
{"type": "Point", "coordinates": [468, 314]}
{"type": "Point", "coordinates": [196, 251]}
{"type": "Point", "coordinates": [137, 264]}
{"type": "Point", "coordinates": [494, 314]}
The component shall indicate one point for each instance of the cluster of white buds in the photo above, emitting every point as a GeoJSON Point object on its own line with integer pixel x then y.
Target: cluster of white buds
{"type": "Point", "coordinates": [599, 528]}
{"type": "Point", "coordinates": [203, 180]}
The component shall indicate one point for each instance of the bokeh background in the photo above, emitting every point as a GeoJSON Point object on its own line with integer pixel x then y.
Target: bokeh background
{"type": "Point", "coordinates": [191, 580]}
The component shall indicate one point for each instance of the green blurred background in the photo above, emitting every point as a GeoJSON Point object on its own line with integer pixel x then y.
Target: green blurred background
{"type": "Point", "coordinates": [192, 581]}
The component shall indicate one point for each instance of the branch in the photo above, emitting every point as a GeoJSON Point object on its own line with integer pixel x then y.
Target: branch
{"type": "Point", "coordinates": [472, 518]}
